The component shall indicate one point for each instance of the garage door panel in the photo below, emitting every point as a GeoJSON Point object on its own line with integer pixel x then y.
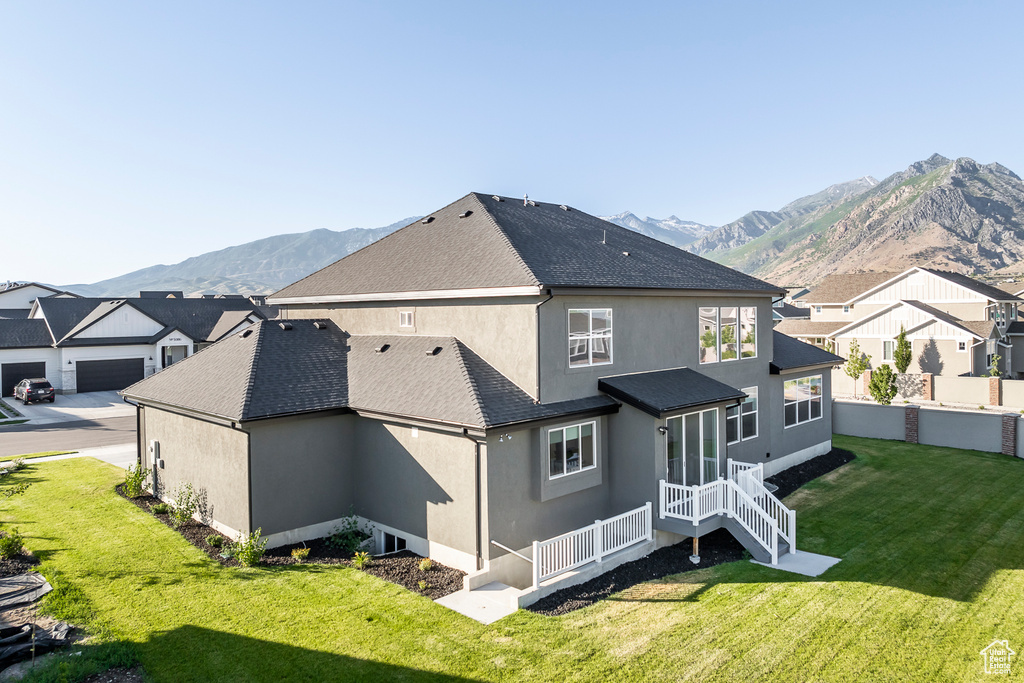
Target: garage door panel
{"type": "Point", "coordinates": [108, 375]}
{"type": "Point", "coordinates": [12, 373]}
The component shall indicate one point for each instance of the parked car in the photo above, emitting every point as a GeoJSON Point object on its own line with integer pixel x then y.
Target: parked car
{"type": "Point", "coordinates": [39, 389]}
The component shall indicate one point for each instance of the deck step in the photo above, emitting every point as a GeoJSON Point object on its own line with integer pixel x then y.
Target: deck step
{"type": "Point", "coordinates": [756, 550]}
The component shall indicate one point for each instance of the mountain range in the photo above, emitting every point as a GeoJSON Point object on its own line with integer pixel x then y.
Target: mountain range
{"type": "Point", "coordinates": [953, 214]}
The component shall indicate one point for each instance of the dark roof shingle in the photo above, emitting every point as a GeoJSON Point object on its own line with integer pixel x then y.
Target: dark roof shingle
{"type": "Point", "coordinates": [790, 354]}
{"type": "Point", "coordinates": [27, 334]}
{"type": "Point", "coordinates": [663, 391]}
{"type": "Point", "coordinates": [482, 242]}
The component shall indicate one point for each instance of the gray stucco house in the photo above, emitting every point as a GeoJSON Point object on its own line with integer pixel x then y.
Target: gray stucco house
{"type": "Point", "coordinates": [496, 374]}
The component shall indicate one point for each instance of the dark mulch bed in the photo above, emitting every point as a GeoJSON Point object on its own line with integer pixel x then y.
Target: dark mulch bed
{"type": "Point", "coordinates": [19, 564]}
{"type": "Point", "coordinates": [791, 479]}
{"type": "Point", "coordinates": [715, 548]}
{"type": "Point", "coordinates": [401, 568]}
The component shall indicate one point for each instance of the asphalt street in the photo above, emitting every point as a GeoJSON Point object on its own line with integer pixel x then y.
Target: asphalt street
{"type": "Point", "coordinates": [64, 436]}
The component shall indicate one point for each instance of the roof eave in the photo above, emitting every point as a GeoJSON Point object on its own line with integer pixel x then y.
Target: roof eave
{"type": "Point", "coordinates": [420, 295]}
{"type": "Point", "coordinates": [776, 370]}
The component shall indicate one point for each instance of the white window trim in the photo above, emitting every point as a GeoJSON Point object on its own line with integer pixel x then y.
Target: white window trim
{"type": "Point", "coordinates": [963, 344]}
{"type": "Point", "coordinates": [739, 417]}
{"type": "Point", "coordinates": [402, 318]}
{"type": "Point", "coordinates": [562, 428]}
{"type": "Point", "coordinates": [786, 403]}
{"type": "Point", "coordinates": [846, 310]}
{"type": "Point", "coordinates": [817, 309]}
{"type": "Point", "coordinates": [718, 335]}
{"type": "Point", "coordinates": [700, 440]}
{"type": "Point", "coordinates": [892, 349]}
{"type": "Point", "coordinates": [590, 338]}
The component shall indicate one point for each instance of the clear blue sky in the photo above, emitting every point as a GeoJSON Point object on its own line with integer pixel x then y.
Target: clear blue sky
{"type": "Point", "coordinates": [136, 133]}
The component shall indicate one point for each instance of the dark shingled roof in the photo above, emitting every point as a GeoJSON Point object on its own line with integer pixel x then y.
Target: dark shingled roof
{"type": "Point", "coordinates": [790, 354]}
{"type": "Point", "coordinates": [841, 287]}
{"type": "Point", "coordinates": [14, 313]}
{"type": "Point", "coordinates": [274, 371]}
{"type": "Point", "coordinates": [196, 318]}
{"type": "Point", "coordinates": [24, 334]}
{"type": "Point", "coordinates": [664, 391]}
{"type": "Point", "coordinates": [987, 291]}
{"type": "Point", "coordinates": [506, 244]}
{"type": "Point", "coordinates": [1016, 327]}
{"type": "Point", "coordinates": [789, 311]}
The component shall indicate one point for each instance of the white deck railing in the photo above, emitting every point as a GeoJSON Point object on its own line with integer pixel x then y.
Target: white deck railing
{"type": "Point", "coordinates": [725, 496]}
{"type": "Point", "coordinates": [591, 543]}
{"type": "Point", "coordinates": [751, 479]}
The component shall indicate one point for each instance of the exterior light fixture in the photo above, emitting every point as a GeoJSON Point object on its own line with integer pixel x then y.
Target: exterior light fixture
{"type": "Point", "coordinates": [663, 430]}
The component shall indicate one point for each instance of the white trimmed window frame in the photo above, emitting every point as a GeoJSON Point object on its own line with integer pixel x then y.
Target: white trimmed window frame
{"type": "Point", "coordinates": [406, 319]}
{"type": "Point", "coordinates": [888, 349]}
{"type": "Point", "coordinates": [564, 431]}
{"type": "Point", "coordinates": [743, 315]}
{"type": "Point", "coordinates": [590, 338]}
{"type": "Point", "coordinates": [809, 400]}
{"type": "Point", "coordinates": [737, 413]}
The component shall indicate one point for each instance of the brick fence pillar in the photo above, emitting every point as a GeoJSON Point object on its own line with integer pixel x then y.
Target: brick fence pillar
{"type": "Point", "coordinates": [1010, 433]}
{"type": "Point", "coordinates": [994, 386]}
{"type": "Point", "coordinates": [927, 387]}
{"type": "Point", "coordinates": [910, 424]}
{"type": "Point", "coordinates": [867, 382]}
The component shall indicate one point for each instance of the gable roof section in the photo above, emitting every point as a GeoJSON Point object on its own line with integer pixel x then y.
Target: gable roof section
{"type": "Point", "coordinates": [32, 284]}
{"type": "Point", "coordinates": [810, 328]}
{"type": "Point", "coordinates": [791, 312]}
{"type": "Point", "coordinates": [661, 392]}
{"type": "Point", "coordinates": [792, 354]}
{"type": "Point", "coordinates": [982, 329]}
{"type": "Point", "coordinates": [842, 287]}
{"type": "Point", "coordinates": [987, 291]}
{"type": "Point", "coordinates": [196, 318]}
{"type": "Point", "coordinates": [270, 371]}
{"type": "Point", "coordinates": [14, 313]}
{"type": "Point", "coordinates": [502, 244]}
{"type": "Point", "coordinates": [24, 334]}
{"type": "Point", "coordinates": [228, 321]}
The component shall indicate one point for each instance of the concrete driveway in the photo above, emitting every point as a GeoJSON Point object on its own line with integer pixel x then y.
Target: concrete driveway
{"type": "Point", "coordinates": [96, 405]}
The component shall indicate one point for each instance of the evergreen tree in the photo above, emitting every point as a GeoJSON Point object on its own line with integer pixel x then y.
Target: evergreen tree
{"type": "Point", "coordinates": [883, 385]}
{"type": "Point", "coordinates": [903, 354]}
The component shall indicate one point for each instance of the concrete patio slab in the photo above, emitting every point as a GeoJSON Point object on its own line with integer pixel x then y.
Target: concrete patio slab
{"type": "Point", "coordinates": [485, 604]}
{"type": "Point", "coordinates": [800, 562]}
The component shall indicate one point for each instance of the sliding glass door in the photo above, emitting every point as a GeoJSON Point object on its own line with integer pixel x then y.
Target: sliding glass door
{"type": "Point", "coordinates": [692, 448]}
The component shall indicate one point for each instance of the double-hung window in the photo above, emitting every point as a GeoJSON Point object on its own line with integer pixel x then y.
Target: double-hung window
{"type": "Point", "coordinates": [571, 449]}
{"type": "Point", "coordinates": [590, 336]}
{"type": "Point", "coordinates": [405, 319]}
{"type": "Point", "coordinates": [741, 420]}
{"type": "Point", "coordinates": [887, 350]}
{"type": "Point", "coordinates": [802, 400]}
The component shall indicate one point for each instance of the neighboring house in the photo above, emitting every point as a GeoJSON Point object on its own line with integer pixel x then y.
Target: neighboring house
{"type": "Point", "coordinates": [82, 344]}
{"type": "Point", "coordinates": [956, 325]}
{"type": "Point", "coordinates": [784, 311]}
{"type": "Point", "coordinates": [496, 374]}
{"type": "Point", "coordinates": [16, 299]}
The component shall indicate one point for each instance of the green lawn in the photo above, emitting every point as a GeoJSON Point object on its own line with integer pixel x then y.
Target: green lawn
{"type": "Point", "coordinates": [932, 542]}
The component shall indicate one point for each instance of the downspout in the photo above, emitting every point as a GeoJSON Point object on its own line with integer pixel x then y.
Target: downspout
{"type": "Point", "coordinates": [138, 429]}
{"type": "Point", "coordinates": [550, 297]}
{"type": "Point", "coordinates": [476, 487]}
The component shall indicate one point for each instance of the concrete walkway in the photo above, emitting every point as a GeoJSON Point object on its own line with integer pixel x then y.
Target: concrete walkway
{"type": "Point", "coordinates": [807, 564]}
{"type": "Point", "coordinates": [122, 455]}
{"type": "Point", "coordinates": [485, 604]}
{"type": "Point", "coordinates": [96, 405]}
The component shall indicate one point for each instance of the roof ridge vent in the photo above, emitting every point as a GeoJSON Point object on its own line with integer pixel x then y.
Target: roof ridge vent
{"type": "Point", "coordinates": [285, 325]}
{"type": "Point", "coordinates": [382, 348]}
{"type": "Point", "coordinates": [434, 351]}
{"type": "Point", "coordinates": [465, 214]}
{"type": "Point", "coordinates": [497, 198]}
{"type": "Point", "coordinates": [426, 220]}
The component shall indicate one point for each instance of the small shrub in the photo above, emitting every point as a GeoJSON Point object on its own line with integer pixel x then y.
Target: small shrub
{"type": "Point", "coordinates": [185, 505]}
{"type": "Point", "coordinates": [883, 385]}
{"type": "Point", "coordinates": [160, 509]}
{"type": "Point", "coordinates": [424, 585]}
{"type": "Point", "coordinates": [16, 464]}
{"type": "Point", "coordinates": [361, 560]}
{"type": "Point", "coordinates": [11, 543]}
{"type": "Point", "coordinates": [249, 549]}
{"type": "Point", "coordinates": [347, 536]}
{"type": "Point", "coordinates": [426, 564]}
{"type": "Point", "coordinates": [135, 480]}
{"type": "Point", "coordinates": [215, 540]}
{"type": "Point", "coordinates": [300, 554]}
{"type": "Point", "coordinates": [981, 407]}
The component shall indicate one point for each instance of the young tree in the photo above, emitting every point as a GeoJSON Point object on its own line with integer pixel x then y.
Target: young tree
{"type": "Point", "coordinates": [883, 385]}
{"type": "Point", "coordinates": [856, 363]}
{"type": "Point", "coordinates": [993, 370]}
{"type": "Point", "coordinates": [902, 354]}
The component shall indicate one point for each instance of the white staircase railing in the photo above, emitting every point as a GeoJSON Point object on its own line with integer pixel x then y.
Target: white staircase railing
{"type": "Point", "coordinates": [751, 479]}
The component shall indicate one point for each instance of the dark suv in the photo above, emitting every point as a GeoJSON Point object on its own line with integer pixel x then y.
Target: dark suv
{"type": "Point", "coordinates": [39, 389]}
